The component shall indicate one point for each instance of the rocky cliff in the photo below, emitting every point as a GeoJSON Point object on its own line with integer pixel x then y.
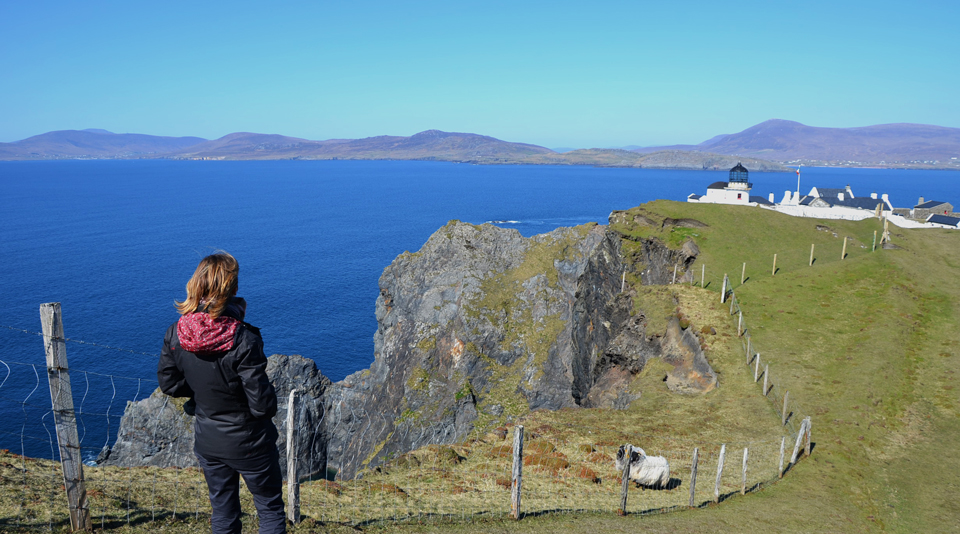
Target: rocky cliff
{"type": "Point", "coordinates": [156, 432]}
{"type": "Point", "coordinates": [477, 328]}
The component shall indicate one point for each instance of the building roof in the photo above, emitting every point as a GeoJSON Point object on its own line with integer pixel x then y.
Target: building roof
{"type": "Point", "coordinates": [943, 219]}
{"type": "Point", "coordinates": [760, 200]}
{"type": "Point", "coordinates": [827, 192]}
{"type": "Point", "coordinates": [929, 204]}
{"type": "Point", "coordinates": [693, 196]}
{"type": "Point", "coordinates": [864, 203]}
{"type": "Point", "coordinates": [717, 185]}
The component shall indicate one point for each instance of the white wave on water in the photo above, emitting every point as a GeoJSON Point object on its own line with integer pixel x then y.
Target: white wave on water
{"type": "Point", "coordinates": [548, 223]}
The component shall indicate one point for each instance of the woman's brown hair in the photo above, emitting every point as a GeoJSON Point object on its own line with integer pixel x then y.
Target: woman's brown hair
{"type": "Point", "coordinates": [212, 285]}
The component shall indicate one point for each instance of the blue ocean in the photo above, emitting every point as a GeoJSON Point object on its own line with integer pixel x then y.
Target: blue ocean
{"type": "Point", "coordinates": [116, 241]}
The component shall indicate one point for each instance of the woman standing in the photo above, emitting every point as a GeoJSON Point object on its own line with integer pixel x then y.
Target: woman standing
{"type": "Point", "coordinates": [211, 356]}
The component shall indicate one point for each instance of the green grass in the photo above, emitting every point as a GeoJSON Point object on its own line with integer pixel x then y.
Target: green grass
{"type": "Point", "coordinates": [868, 347]}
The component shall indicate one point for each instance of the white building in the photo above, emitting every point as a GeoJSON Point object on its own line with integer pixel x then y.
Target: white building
{"type": "Point", "coordinates": [822, 197]}
{"type": "Point", "coordinates": [734, 191]}
{"type": "Point", "coordinates": [820, 203]}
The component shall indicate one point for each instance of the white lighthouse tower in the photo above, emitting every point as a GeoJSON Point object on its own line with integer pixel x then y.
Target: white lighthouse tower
{"type": "Point", "coordinates": [734, 191]}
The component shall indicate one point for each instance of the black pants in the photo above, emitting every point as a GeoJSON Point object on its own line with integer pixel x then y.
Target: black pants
{"type": "Point", "coordinates": [264, 480]}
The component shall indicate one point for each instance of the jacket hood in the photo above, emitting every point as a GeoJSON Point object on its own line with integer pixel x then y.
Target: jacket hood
{"type": "Point", "coordinates": [198, 332]}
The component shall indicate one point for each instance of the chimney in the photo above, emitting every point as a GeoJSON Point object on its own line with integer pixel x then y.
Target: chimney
{"type": "Point", "coordinates": [840, 196]}
{"type": "Point", "coordinates": [885, 198]}
{"type": "Point", "coordinates": [873, 195]}
{"type": "Point", "coordinates": [786, 197]}
{"type": "Point", "coordinates": [920, 201]}
{"type": "Point", "coordinates": [849, 191]}
{"type": "Point", "coordinates": [770, 198]}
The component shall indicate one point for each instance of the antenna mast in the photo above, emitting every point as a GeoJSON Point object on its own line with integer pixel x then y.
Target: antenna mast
{"type": "Point", "coordinates": [798, 182]}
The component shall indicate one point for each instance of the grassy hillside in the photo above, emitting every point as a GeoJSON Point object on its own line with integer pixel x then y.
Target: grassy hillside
{"type": "Point", "coordinates": [868, 346]}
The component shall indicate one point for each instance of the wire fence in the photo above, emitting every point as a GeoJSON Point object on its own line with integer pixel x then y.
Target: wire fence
{"type": "Point", "coordinates": [447, 478]}
{"type": "Point", "coordinates": [790, 412]}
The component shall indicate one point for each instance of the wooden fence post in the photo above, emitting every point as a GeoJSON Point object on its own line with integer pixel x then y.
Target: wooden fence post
{"type": "Point", "coordinates": [674, 281]}
{"type": "Point", "coordinates": [723, 290]}
{"type": "Point", "coordinates": [716, 487]}
{"type": "Point", "coordinates": [811, 254]}
{"type": "Point", "coordinates": [743, 483]}
{"type": "Point", "coordinates": [61, 398]}
{"type": "Point", "coordinates": [786, 395]}
{"type": "Point", "coordinates": [756, 369]}
{"type": "Point", "coordinates": [740, 324]}
{"type": "Point", "coordinates": [517, 472]}
{"type": "Point", "coordinates": [766, 373]}
{"type": "Point", "coordinates": [844, 253]}
{"type": "Point", "coordinates": [293, 479]}
{"type": "Point", "coordinates": [806, 448]}
{"type": "Point", "coordinates": [749, 349]}
{"type": "Point", "coordinates": [623, 280]}
{"type": "Point", "coordinates": [703, 275]}
{"type": "Point", "coordinates": [796, 447]}
{"type": "Point", "coordinates": [743, 273]}
{"type": "Point", "coordinates": [628, 455]}
{"type": "Point", "coordinates": [783, 443]}
{"type": "Point", "coordinates": [693, 476]}
{"type": "Point", "coordinates": [773, 272]}
{"type": "Point", "coordinates": [874, 247]}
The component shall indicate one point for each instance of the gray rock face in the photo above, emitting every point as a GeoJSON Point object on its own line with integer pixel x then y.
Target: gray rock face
{"type": "Point", "coordinates": [156, 432]}
{"type": "Point", "coordinates": [153, 432]}
{"type": "Point", "coordinates": [289, 372]}
{"type": "Point", "coordinates": [623, 357]}
{"type": "Point", "coordinates": [691, 372]}
{"type": "Point", "coordinates": [655, 261]}
{"type": "Point", "coordinates": [481, 323]}
{"type": "Point", "coordinates": [659, 262]}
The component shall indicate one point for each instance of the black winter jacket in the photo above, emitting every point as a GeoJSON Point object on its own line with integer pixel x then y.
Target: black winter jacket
{"type": "Point", "coordinates": [234, 399]}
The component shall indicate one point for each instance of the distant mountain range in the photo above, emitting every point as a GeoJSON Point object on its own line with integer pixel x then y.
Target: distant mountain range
{"type": "Point", "coordinates": [764, 147]}
{"type": "Point", "coordinates": [429, 145]}
{"type": "Point", "coordinates": [883, 144]}
{"type": "Point", "coordinates": [93, 143]}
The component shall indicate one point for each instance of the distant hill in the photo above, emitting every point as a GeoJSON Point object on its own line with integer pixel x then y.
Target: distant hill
{"type": "Point", "coordinates": [93, 143]}
{"type": "Point", "coordinates": [429, 145]}
{"type": "Point", "coordinates": [449, 146]}
{"type": "Point", "coordinates": [789, 141]}
{"type": "Point", "coordinates": [245, 145]}
{"type": "Point", "coordinates": [664, 159]}
{"type": "Point", "coordinates": [770, 144]}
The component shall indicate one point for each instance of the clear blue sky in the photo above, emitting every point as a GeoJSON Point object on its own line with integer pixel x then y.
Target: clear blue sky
{"type": "Point", "coordinates": [576, 74]}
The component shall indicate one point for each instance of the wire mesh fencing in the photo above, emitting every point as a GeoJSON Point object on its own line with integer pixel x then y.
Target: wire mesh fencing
{"type": "Point", "coordinates": [472, 479]}
{"type": "Point", "coordinates": [446, 477]}
{"type": "Point", "coordinates": [763, 365]}
{"type": "Point", "coordinates": [33, 482]}
{"type": "Point", "coordinates": [461, 481]}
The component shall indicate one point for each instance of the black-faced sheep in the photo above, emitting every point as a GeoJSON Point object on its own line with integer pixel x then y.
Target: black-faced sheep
{"type": "Point", "coordinates": [648, 471]}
